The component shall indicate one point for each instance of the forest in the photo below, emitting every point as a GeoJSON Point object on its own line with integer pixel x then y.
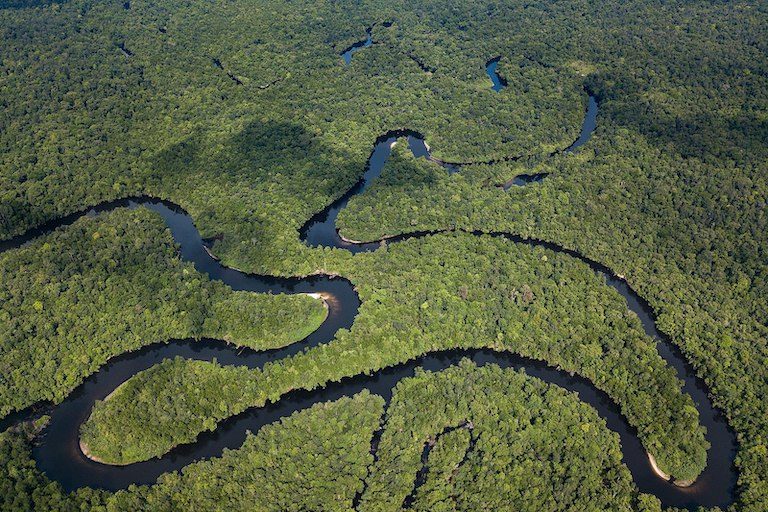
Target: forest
{"type": "Point", "coordinates": [72, 300]}
{"type": "Point", "coordinates": [313, 460]}
{"type": "Point", "coordinates": [523, 436]}
{"type": "Point", "coordinates": [419, 296]}
{"type": "Point", "coordinates": [244, 113]}
{"type": "Point", "coordinates": [518, 434]}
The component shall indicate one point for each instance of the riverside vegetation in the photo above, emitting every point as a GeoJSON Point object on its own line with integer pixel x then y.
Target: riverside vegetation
{"type": "Point", "coordinates": [419, 296]}
{"type": "Point", "coordinates": [81, 295]}
{"type": "Point", "coordinates": [543, 432]}
{"type": "Point", "coordinates": [671, 192]}
{"type": "Point", "coordinates": [313, 460]}
{"type": "Point", "coordinates": [510, 427]}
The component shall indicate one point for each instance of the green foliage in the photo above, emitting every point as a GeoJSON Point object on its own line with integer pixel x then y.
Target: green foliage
{"type": "Point", "coordinates": [535, 447]}
{"type": "Point", "coordinates": [248, 162]}
{"type": "Point", "coordinates": [313, 460]}
{"type": "Point", "coordinates": [167, 405]}
{"type": "Point", "coordinates": [445, 459]}
{"type": "Point", "coordinates": [262, 321]}
{"type": "Point", "coordinates": [537, 303]}
{"type": "Point", "coordinates": [705, 283]}
{"type": "Point", "coordinates": [72, 299]}
{"type": "Point", "coordinates": [22, 486]}
{"type": "Point", "coordinates": [671, 191]}
{"type": "Point", "coordinates": [441, 292]}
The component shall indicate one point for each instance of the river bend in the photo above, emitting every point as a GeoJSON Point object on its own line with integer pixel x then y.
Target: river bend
{"type": "Point", "coordinates": [57, 452]}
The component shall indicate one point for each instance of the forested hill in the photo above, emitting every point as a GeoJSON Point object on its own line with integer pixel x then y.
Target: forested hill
{"type": "Point", "coordinates": [244, 113]}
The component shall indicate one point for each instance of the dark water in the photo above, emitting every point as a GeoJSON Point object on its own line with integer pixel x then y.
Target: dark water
{"type": "Point", "coordinates": [58, 454]}
{"type": "Point", "coordinates": [346, 55]}
{"type": "Point", "coordinates": [522, 180]}
{"type": "Point", "coordinates": [587, 128]}
{"type": "Point", "coordinates": [125, 51]}
{"type": "Point", "coordinates": [320, 230]}
{"type": "Point", "coordinates": [420, 150]}
{"type": "Point", "coordinates": [423, 472]}
{"type": "Point", "coordinates": [365, 43]}
{"type": "Point", "coordinates": [498, 81]}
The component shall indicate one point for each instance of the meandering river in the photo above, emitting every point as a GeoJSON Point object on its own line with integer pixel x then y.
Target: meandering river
{"type": "Point", "coordinates": [58, 454]}
{"type": "Point", "coordinates": [498, 81]}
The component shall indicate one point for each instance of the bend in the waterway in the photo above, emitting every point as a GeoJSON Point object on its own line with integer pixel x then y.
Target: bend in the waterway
{"type": "Point", "coordinates": [421, 474]}
{"type": "Point", "coordinates": [321, 231]}
{"type": "Point", "coordinates": [522, 180]}
{"type": "Point", "coordinates": [498, 81]}
{"type": "Point", "coordinates": [346, 55]}
{"type": "Point", "coordinates": [587, 127]}
{"type": "Point", "coordinates": [58, 453]}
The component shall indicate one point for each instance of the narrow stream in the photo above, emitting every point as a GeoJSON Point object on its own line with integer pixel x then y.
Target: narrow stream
{"type": "Point", "coordinates": [498, 81]}
{"type": "Point", "coordinates": [587, 127]}
{"type": "Point", "coordinates": [423, 472]}
{"type": "Point", "coordinates": [58, 454]}
{"type": "Point", "coordinates": [346, 55]}
{"type": "Point", "coordinates": [522, 180]}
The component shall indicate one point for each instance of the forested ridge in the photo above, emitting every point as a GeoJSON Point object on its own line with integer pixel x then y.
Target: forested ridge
{"type": "Point", "coordinates": [101, 101]}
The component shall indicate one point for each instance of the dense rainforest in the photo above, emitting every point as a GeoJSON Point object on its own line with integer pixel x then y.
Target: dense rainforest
{"type": "Point", "coordinates": [513, 427]}
{"type": "Point", "coordinates": [436, 293]}
{"type": "Point", "coordinates": [244, 113]}
{"type": "Point", "coordinates": [313, 460]}
{"type": "Point", "coordinates": [319, 459]}
{"type": "Point", "coordinates": [72, 300]}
